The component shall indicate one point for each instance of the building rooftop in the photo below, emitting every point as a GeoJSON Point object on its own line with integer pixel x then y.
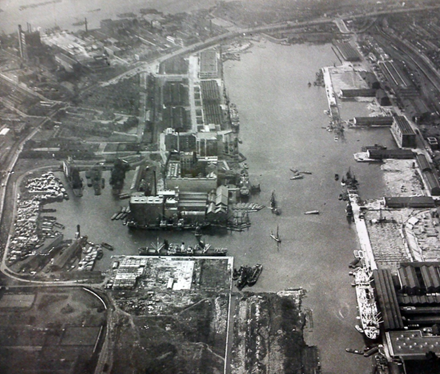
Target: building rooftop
{"type": "Point", "coordinates": [404, 125]}
{"type": "Point", "coordinates": [412, 343]}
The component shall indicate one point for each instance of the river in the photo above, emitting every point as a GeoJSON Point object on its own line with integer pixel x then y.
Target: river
{"type": "Point", "coordinates": [281, 126]}
{"type": "Point", "coordinates": [64, 13]}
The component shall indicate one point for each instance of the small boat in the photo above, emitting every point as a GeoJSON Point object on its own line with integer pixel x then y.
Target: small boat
{"type": "Point", "coordinates": [336, 177]}
{"type": "Point", "coordinates": [297, 177]}
{"type": "Point", "coordinates": [309, 84]}
{"type": "Point", "coordinates": [306, 172]}
{"type": "Point", "coordinates": [294, 171]}
{"type": "Point", "coordinates": [358, 329]}
{"type": "Point", "coordinates": [312, 212]}
{"type": "Point", "coordinates": [277, 236]}
{"type": "Point", "coordinates": [355, 351]}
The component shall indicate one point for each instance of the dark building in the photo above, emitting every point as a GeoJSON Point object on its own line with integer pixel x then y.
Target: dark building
{"type": "Point", "coordinates": [378, 121]}
{"type": "Point", "coordinates": [429, 175]}
{"type": "Point", "coordinates": [29, 43]}
{"type": "Point", "coordinates": [358, 92]}
{"type": "Point", "coordinates": [403, 133]}
{"type": "Point", "coordinates": [423, 163]}
{"type": "Point", "coordinates": [400, 154]}
{"type": "Point", "coordinates": [348, 52]}
{"type": "Point", "coordinates": [410, 202]}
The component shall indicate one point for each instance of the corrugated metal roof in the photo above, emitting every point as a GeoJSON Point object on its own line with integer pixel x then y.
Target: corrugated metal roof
{"type": "Point", "coordinates": [387, 299]}
{"type": "Point", "coordinates": [404, 125]}
{"type": "Point", "coordinates": [423, 162]}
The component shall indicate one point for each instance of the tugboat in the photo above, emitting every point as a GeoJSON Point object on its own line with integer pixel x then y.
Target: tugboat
{"type": "Point", "coordinates": [256, 271]}
{"type": "Point", "coordinates": [247, 276]}
{"type": "Point", "coordinates": [297, 177]}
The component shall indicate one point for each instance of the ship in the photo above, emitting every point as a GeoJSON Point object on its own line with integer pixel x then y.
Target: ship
{"type": "Point", "coordinates": [369, 315]}
{"type": "Point", "coordinates": [233, 115]}
{"type": "Point", "coordinates": [73, 177]}
{"type": "Point", "coordinates": [94, 178]}
{"type": "Point", "coordinates": [244, 185]}
{"type": "Point", "coordinates": [175, 249]}
{"type": "Point", "coordinates": [273, 204]}
{"type": "Point", "coordinates": [247, 276]}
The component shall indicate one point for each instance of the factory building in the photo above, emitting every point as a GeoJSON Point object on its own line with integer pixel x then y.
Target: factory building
{"type": "Point", "coordinates": [348, 52]}
{"type": "Point", "coordinates": [403, 133]}
{"type": "Point", "coordinates": [357, 92]}
{"type": "Point", "coordinates": [207, 143]}
{"type": "Point", "coordinates": [428, 175]}
{"type": "Point", "coordinates": [399, 154]}
{"type": "Point", "coordinates": [377, 121]}
{"type": "Point", "coordinates": [409, 303]}
{"type": "Point", "coordinates": [417, 202]}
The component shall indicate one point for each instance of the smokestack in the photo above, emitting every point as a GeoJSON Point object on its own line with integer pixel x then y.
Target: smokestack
{"type": "Point", "coordinates": [85, 24]}
{"type": "Point", "coordinates": [78, 232]}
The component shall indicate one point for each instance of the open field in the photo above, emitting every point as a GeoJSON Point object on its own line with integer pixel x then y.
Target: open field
{"type": "Point", "coordinates": [56, 333]}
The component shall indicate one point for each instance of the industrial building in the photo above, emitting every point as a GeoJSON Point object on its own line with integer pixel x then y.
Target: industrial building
{"type": "Point", "coordinates": [378, 121]}
{"type": "Point", "coordinates": [429, 175]}
{"type": "Point", "coordinates": [348, 52]}
{"type": "Point", "coordinates": [400, 154]}
{"type": "Point", "coordinates": [172, 208]}
{"type": "Point", "coordinates": [410, 304]}
{"type": "Point", "coordinates": [357, 92]}
{"type": "Point", "coordinates": [403, 133]}
{"type": "Point", "coordinates": [209, 64]}
{"type": "Point", "coordinates": [417, 202]}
